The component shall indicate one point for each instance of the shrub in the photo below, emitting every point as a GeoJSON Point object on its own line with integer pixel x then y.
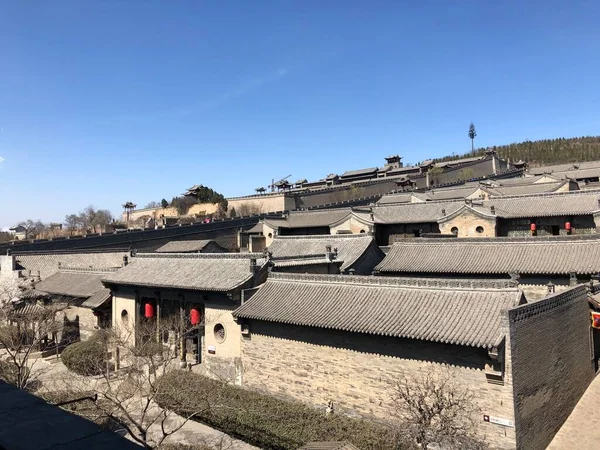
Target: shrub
{"type": "Point", "coordinates": [263, 420]}
{"type": "Point", "coordinates": [86, 357]}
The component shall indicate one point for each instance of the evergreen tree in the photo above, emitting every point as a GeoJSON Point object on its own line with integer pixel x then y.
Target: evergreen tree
{"type": "Point", "coordinates": [472, 134]}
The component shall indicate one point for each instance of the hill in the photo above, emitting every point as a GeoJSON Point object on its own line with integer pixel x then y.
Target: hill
{"type": "Point", "coordinates": [543, 152]}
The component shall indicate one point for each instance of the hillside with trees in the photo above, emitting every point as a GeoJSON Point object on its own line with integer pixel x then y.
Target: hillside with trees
{"type": "Point", "coordinates": [543, 152]}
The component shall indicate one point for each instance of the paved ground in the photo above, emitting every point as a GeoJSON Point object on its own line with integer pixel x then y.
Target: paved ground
{"type": "Point", "coordinates": [581, 431]}
{"type": "Point", "coordinates": [191, 433]}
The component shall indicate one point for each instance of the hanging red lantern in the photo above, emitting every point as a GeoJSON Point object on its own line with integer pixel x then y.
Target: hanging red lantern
{"type": "Point", "coordinates": [532, 227]}
{"type": "Point", "coordinates": [195, 316]}
{"type": "Point", "coordinates": [568, 226]}
{"type": "Point", "coordinates": [149, 310]}
{"type": "Point", "coordinates": [595, 319]}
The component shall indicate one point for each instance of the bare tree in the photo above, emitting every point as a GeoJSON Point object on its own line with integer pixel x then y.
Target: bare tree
{"type": "Point", "coordinates": [93, 219]}
{"type": "Point", "coordinates": [73, 223]}
{"type": "Point", "coordinates": [130, 383]}
{"type": "Point", "coordinates": [248, 209]}
{"type": "Point", "coordinates": [435, 409]}
{"type": "Point", "coordinates": [33, 228]}
{"type": "Point", "coordinates": [25, 327]}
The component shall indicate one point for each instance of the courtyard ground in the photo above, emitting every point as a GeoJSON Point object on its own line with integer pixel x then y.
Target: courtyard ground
{"type": "Point", "coordinates": [192, 433]}
{"type": "Point", "coordinates": [581, 430]}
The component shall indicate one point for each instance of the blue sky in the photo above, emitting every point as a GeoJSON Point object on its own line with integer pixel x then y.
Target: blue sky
{"type": "Point", "coordinates": [102, 102]}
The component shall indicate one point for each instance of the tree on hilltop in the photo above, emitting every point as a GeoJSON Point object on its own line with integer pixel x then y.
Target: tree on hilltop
{"type": "Point", "coordinates": [472, 134]}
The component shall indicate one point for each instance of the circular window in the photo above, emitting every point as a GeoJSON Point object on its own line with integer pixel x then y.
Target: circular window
{"type": "Point", "coordinates": [219, 333]}
{"type": "Point", "coordinates": [479, 229]}
{"type": "Point", "coordinates": [124, 315]}
{"type": "Point", "coordinates": [270, 235]}
{"type": "Point", "coordinates": [454, 230]}
{"type": "Point", "coordinates": [362, 231]}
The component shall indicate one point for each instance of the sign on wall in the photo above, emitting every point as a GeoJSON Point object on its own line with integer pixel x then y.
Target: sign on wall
{"type": "Point", "coordinates": [498, 421]}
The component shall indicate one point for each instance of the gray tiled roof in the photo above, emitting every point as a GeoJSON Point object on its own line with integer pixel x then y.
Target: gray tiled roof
{"type": "Point", "coordinates": [399, 197]}
{"type": "Point", "coordinates": [516, 206]}
{"type": "Point", "coordinates": [73, 283]}
{"type": "Point", "coordinates": [449, 194]}
{"type": "Point", "coordinates": [305, 261]}
{"type": "Point", "coordinates": [186, 246]}
{"type": "Point", "coordinates": [304, 219]}
{"type": "Point", "coordinates": [546, 205]}
{"type": "Point", "coordinates": [533, 188]}
{"type": "Point", "coordinates": [192, 271]}
{"type": "Point", "coordinates": [383, 306]}
{"type": "Point", "coordinates": [47, 262]}
{"type": "Point", "coordinates": [564, 167]}
{"type": "Point", "coordinates": [498, 256]}
{"type": "Point", "coordinates": [98, 299]}
{"type": "Point", "coordinates": [459, 161]}
{"type": "Point", "coordinates": [414, 212]}
{"type": "Point", "coordinates": [350, 247]}
{"type": "Point", "coordinates": [352, 173]}
{"type": "Point", "coordinates": [515, 181]}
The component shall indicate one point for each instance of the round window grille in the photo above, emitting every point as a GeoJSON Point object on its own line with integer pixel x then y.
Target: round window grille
{"type": "Point", "coordinates": [219, 333]}
{"type": "Point", "coordinates": [454, 230]}
{"type": "Point", "coordinates": [479, 229]}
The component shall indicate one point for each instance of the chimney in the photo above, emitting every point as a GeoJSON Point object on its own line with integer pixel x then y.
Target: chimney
{"type": "Point", "coordinates": [493, 209]}
{"type": "Point", "coordinates": [551, 287]}
{"type": "Point", "coordinates": [125, 260]}
{"type": "Point", "coordinates": [573, 279]}
{"type": "Point", "coordinates": [443, 212]}
{"type": "Point", "coordinates": [253, 265]}
{"type": "Point", "coordinates": [328, 253]}
{"type": "Point", "coordinates": [351, 271]}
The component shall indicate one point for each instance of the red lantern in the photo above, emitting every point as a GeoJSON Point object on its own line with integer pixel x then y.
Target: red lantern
{"type": "Point", "coordinates": [149, 310]}
{"type": "Point", "coordinates": [532, 227]}
{"type": "Point", "coordinates": [568, 226]}
{"type": "Point", "coordinates": [195, 316]}
{"type": "Point", "coordinates": [595, 319]}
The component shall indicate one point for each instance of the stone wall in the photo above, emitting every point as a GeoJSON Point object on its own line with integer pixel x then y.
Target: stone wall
{"type": "Point", "coordinates": [223, 231]}
{"type": "Point", "coordinates": [257, 204]}
{"type": "Point", "coordinates": [552, 363]}
{"type": "Point", "coordinates": [216, 308]}
{"type": "Point", "coordinates": [356, 371]}
{"type": "Point", "coordinates": [546, 226]}
{"type": "Point", "coordinates": [352, 225]}
{"type": "Point", "coordinates": [388, 234]}
{"type": "Point", "coordinates": [199, 209]}
{"type": "Point", "coordinates": [469, 224]}
{"type": "Point", "coordinates": [345, 193]}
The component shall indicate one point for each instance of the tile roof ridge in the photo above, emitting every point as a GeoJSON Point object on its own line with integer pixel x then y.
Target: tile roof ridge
{"type": "Point", "coordinates": [75, 269]}
{"type": "Point", "coordinates": [231, 256]}
{"type": "Point", "coordinates": [432, 202]}
{"type": "Point", "coordinates": [71, 251]}
{"type": "Point", "coordinates": [545, 240]}
{"type": "Point", "coordinates": [549, 194]}
{"type": "Point", "coordinates": [400, 282]}
{"type": "Point", "coordinates": [324, 236]}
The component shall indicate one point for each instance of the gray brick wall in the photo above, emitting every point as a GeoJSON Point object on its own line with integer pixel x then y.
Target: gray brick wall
{"type": "Point", "coordinates": [356, 371]}
{"type": "Point", "coordinates": [551, 363]}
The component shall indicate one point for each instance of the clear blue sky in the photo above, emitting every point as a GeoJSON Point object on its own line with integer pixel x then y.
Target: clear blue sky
{"type": "Point", "coordinates": [107, 101]}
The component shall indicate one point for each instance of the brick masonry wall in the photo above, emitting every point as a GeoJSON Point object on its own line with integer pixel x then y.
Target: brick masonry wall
{"type": "Point", "coordinates": [470, 224]}
{"type": "Point", "coordinates": [356, 371]}
{"type": "Point", "coordinates": [224, 232]}
{"type": "Point", "coordinates": [551, 363]}
{"type": "Point", "coordinates": [521, 227]}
